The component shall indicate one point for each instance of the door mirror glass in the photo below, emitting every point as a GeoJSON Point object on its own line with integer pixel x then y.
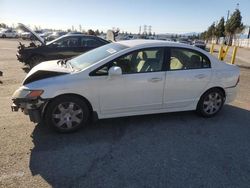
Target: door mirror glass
{"type": "Point", "coordinates": [115, 71]}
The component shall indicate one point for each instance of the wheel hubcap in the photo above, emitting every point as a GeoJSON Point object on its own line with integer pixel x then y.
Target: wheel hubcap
{"type": "Point", "coordinates": [212, 103]}
{"type": "Point", "coordinates": [67, 115]}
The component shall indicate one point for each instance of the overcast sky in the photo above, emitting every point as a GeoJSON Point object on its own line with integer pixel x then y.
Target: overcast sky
{"type": "Point", "coordinates": [165, 16]}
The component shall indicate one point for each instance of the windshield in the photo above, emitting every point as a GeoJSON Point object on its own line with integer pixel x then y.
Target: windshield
{"type": "Point", "coordinates": [55, 40]}
{"type": "Point", "coordinates": [89, 58]}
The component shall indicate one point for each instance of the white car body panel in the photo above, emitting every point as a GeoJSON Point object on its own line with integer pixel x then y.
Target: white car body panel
{"type": "Point", "coordinates": [122, 94]}
{"type": "Point", "coordinates": [184, 86]}
{"type": "Point", "coordinates": [135, 94]}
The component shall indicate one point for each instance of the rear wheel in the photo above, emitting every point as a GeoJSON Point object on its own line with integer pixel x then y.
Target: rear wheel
{"type": "Point", "coordinates": [67, 113]}
{"type": "Point", "coordinates": [211, 103]}
{"type": "Point", "coordinates": [35, 60]}
{"type": "Point", "coordinates": [3, 36]}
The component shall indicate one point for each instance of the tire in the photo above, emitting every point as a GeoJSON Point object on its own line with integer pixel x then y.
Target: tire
{"type": "Point", "coordinates": [210, 103]}
{"type": "Point", "coordinates": [3, 36]}
{"type": "Point", "coordinates": [67, 114]}
{"type": "Point", "coordinates": [35, 60]}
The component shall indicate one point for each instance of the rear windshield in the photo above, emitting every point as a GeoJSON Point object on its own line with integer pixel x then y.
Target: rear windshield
{"type": "Point", "coordinates": [91, 57]}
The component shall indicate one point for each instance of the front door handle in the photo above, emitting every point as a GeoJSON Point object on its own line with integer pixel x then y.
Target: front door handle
{"type": "Point", "coordinates": [200, 76]}
{"type": "Point", "coordinates": [155, 79]}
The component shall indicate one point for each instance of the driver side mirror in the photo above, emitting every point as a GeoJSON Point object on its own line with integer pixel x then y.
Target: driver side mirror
{"type": "Point", "coordinates": [115, 71]}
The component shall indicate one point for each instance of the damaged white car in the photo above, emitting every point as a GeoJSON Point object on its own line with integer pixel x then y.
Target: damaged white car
{"type": "Point", "coordinates": [123, 79]}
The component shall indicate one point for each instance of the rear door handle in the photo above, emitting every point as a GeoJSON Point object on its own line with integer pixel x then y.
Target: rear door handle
{"type": "Point", "coordinates": [200, 76]}
{"type": "Point", "coordinates": [155, 79]}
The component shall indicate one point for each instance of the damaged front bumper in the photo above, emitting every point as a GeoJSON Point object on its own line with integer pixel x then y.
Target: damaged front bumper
{"type": "Point", "coordinates": [22, 54]}
{"type": "Point", "coordinates": [19, 57]}
{"type": "Point", "coordinates": [32, 107]}
{"type": "Point", "coordinates": [30, 101]}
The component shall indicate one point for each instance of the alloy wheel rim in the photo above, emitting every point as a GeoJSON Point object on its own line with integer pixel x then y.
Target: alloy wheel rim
{"type": "Point", "coordinates": [212, 103]}
{"type": "Point", "coordinates": [67, 115]}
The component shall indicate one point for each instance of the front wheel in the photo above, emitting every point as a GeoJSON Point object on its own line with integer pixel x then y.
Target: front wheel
{"type": "Point", "coordinates": [66, 114]}
{"type": "Point", "coordinates": [210, 103]}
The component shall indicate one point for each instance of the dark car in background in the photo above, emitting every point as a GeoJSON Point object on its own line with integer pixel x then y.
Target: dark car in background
{"type": "Point", "coordinates": [200, 44]}
{"type": "Point", "coordinates": [184, 41]}
{"type": "Point", "coordinates": [64, 47]}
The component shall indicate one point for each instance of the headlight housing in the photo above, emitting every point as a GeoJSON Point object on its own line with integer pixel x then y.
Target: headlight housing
{"type": "Point", "coordinates": [33, 94]}
{"type": "Point", "coordinates": [22, 93]}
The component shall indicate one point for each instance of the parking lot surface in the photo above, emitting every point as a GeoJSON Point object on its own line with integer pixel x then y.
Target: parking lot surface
{"type": "Point", "coordinates": [163, 150]}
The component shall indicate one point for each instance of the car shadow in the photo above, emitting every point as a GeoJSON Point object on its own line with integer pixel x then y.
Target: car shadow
{"type": "Point", "coordinates": [151, 150]}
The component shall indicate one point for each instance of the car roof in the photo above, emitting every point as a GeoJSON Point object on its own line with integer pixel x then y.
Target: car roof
{"type": "Point", "coordinates": [78, 34]}
{"type": "Point", "coordinates": [74, 35]}
{"type": "Point", "coordinates": [145, 43]}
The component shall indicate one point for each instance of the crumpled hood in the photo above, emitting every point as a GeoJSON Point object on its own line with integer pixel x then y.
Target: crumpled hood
{"type": "Point", "coordinates": [45, 70]}
{"type": "Point", "coordinates": [50, 66]}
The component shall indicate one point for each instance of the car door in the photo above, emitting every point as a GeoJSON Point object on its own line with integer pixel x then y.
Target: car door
{"type": "Point", "coordinates": [188, 74]}
{"type": "Point", "coordinates": [139, 88]}
{"type": "Point", "coordinates": [65, 47]}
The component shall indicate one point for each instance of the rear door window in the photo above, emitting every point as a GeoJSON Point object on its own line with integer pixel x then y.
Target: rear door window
{"type": "Point", "coordinates": [90, 42]}
{"type": "Point", "coordinates": [185, 59]}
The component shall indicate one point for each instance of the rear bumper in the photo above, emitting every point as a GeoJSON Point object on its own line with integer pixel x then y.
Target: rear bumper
{"type": "Point", "coordinates": [231, 94]}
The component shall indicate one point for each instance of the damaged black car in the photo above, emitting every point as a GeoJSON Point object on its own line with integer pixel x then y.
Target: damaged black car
{"type": "Point", "coordinates": [64, 47]}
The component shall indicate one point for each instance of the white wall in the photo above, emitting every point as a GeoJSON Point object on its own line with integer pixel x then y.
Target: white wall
{"type": "Point", "coordinates": [242, 42]}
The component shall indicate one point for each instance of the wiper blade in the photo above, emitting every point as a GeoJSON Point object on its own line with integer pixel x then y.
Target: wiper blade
{"type": "Point", "coordinates": [62, 61]}
{"type": "Point", "coordinates": [66, 63]}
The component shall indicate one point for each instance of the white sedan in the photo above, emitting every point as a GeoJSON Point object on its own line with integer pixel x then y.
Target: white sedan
{"type": "Point", "coordinates": [8, 33]}
{"type": "Point", "coordinates": [123, 79]}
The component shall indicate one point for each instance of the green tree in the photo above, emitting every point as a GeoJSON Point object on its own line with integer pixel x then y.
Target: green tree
{"type": "Point", "coordinates": [91, 32]}
{"type": "Point", "coordinates": [234, 25]}
{"type": "Point", "coordinates": [97, 32]}
{"type": "Point", "coordinates": [220, 29]}
{"type": "Point", "coordinates": [210, 31]}
{"type": "Point", "coordinates": [203, 35]}
{"type": "Point", "coordinates": [3, 25]}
